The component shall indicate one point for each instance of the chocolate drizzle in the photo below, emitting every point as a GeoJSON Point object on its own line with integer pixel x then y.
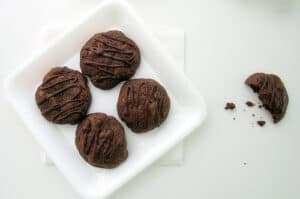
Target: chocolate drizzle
{"type": "Point", "coordinates": [60, 95]}
{"type": "Point", "coordinates": [109, 58]}
{"type": "Point", "coordinates": [101, 141]}
{"type": "Point", "coordinates": [272, 93]}
{"type": "Point", "coordinates": [143, 104]}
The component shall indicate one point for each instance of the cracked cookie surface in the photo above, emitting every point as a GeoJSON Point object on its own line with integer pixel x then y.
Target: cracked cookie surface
{"type": "Point", "coordinates": [143, 104]}
{"type": "Point", "coordinates": [109, 58]}
{"type": "Point", "coordinates": [63, 97]}
{"type": "Point", "coordinates": [101, 141]}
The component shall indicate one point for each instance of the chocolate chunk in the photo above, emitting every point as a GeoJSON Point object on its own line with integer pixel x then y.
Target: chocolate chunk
{"type": "Point", "coordinates": [63, 97]}
{"type": "Point", "coordinates": [249, 103]}
{"type": "Point", "coordinates": [271, 92]}
{"type": "Point", "coordinates": [109, 58]}
{"type": "Point", "coordinates": [143, 104]}
{"type": "Point", "coordinates": [101, 141]}
{"type": "Point", "coordinates": [230, 105]}
{"type": "Point", "coordinates": [261, 123]}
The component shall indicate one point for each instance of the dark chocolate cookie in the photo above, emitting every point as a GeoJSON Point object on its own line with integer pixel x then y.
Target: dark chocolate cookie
{"type": "Point", "coordinates": [143, 104]}
{"type": "Point", "coordinates": [101, 141]}
{"type": "Point", "coordinates": [63, 97]}
{"type": "Point", "coordinates": [271, 92]}
{"type": "Point", "coordinates": [109, 58]}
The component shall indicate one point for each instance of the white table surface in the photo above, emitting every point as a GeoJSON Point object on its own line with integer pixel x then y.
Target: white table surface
{"type": "Point", "coordinates": [226, 40]}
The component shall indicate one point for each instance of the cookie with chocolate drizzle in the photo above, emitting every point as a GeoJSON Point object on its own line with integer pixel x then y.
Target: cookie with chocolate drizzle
{"type": "Point", "coordinates": [109, 58]}
{"type": "Point", "coordinates": [63, 97]}
{"type": "Point", "coordinates": [271, 92]}
{"type": "Point", "coordinates": [143, 104]}
{"type": "Point", "coordinates": [101, 141]}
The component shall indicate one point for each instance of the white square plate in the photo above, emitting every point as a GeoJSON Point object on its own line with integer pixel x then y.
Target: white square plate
{"type": "Point", "coordinates": [186, 113]}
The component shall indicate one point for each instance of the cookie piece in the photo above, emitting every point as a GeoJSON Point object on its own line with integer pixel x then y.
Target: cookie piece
{"type": "Point", "coordinates": [63, 97]}
{"type": "Point", "coordinates": [143, 104]}
{"type": "Point", "coordinates": [271, 92]}
{"type": "Point", "coordinates": [250, 104]}
{"type": "Point", "coordinates": [261, 122]}
{"type": "Point", "coordinates": [229, 105]}
{"type": "Point", "coordinates": [100, 140]}
{"type": "Point", "coordinates": [109, 58]}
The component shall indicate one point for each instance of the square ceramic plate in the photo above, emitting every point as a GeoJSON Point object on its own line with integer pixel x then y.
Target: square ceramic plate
{"type": "Point", "coordinates": [186, 113]}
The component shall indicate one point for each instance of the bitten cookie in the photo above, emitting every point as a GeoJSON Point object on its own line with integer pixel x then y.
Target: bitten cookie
{"type": "Point", "coordinates": [63, 97]}
{"type": "Point", "coordinates": [109, 58]}
{"type": "Point", "coordinates": [143, 104]}
{"type": "Point", "coordinates": [100, 140]}
{"type": "Point", "coordinates": [271, 92]}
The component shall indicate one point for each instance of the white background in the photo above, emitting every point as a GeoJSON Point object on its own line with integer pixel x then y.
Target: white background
{"type": "Point", "coordinates": [226, 40]}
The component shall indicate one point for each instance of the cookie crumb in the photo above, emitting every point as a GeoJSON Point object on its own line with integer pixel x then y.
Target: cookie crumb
{"type": "Point", "coordinates": [261, 123]}
{"type": "Point", "coordinates": [230, 105]}
{"type": "Point", "coordinates": [250, 104]}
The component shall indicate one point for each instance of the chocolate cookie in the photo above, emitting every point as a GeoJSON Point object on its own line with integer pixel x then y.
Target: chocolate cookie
{"type": "Point", "coordinates": [271, 92]}
{"type": "Point", "coordinates": [143, 104]}
{"type": "Point", "coordinates": [109, 58]}
{"type": "Point", "coordinates": [63, 97]}
{"type": "Point", "coordinates": [100, 140]}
